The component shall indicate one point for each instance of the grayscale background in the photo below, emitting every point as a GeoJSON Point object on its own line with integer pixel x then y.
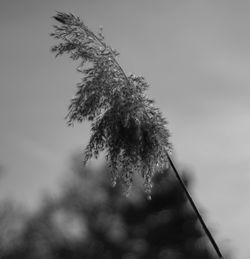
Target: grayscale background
{"type": "Point", "coordinates": [196, 57]}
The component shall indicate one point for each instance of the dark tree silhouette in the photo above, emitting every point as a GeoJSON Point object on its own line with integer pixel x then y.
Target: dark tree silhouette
{"type": "Point", "coordinates": [91, 220]}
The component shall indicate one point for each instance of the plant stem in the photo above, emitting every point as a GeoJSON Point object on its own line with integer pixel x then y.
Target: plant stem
{"type": "Point", "coordinates": [111, 54]}
{"type": "Point", "coordinates": [170, 161]}
{"type": "Point", "coordinates": [195, 209]}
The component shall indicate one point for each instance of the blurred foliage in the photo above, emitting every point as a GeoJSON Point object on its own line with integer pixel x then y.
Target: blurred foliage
{"type": "Point", "coordinates": [92, 220]}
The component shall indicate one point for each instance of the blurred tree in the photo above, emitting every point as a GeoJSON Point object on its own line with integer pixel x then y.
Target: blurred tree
{"type": "Point", "coordinates": [93, 220]}
{"type": "Point", "coordinates": [12, 223]}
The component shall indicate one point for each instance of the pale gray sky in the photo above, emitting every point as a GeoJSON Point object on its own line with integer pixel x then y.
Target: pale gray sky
{"type": "Point", "coordinates": [195, 55]}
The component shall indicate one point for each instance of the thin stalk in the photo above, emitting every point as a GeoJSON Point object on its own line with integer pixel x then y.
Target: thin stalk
{"type": "Point", "coordinates": [170, 161]}
{"type": "Point", "coordinates": [214, 244]}
{"type": "Point", "coordinates": [111, 54]}
{"type": "Point", "coordinates": [203, 224]}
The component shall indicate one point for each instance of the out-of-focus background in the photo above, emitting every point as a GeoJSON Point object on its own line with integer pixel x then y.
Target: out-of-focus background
{"type": "Point", "coordinates": [195, 55]}
{"type": "Point", "coordinates": [91, 219]}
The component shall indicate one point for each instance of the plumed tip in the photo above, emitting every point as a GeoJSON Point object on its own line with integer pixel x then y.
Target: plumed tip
{"type": "Point", "coordinates": [60, 17]}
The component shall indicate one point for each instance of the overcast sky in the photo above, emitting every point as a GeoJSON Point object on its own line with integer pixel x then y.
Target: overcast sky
{"type": "Point", "coordinates": [196, 57]}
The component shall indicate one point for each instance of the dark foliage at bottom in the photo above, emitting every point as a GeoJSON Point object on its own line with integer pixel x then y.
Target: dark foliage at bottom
{"type": "Point", "coordinates": [92, 220]}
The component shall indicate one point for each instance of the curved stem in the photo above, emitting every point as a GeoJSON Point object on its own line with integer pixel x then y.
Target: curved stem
{"type": "Point", "coordinates": [203, 224]}
{"type": "Point", "coordinates": [111, 53]}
